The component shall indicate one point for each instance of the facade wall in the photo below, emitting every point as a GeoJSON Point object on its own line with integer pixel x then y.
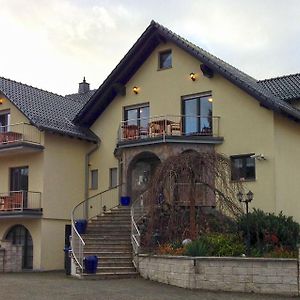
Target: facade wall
{"type": "Point", "coordinates": [35, 164]}
{"type": "Point", "coordinates": [52, 244]}
{"type": "Point", "coordinates": [245, 125]}
{"type": "Point", "coordinates": [287, 145]}
{"type": "Point", "coordinates": [266, 276]}
{"type": "Point", "coordinates": [63, 175]}
{"type": "Point", "coordinates": [15, 114]}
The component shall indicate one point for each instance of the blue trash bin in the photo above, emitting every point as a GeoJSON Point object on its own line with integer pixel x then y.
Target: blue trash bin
{"type": "Point", "coordinates": [125, 200]}
{"type": "Point", "coordinates": [90, 264]}
{"type": "Point", "coordinates": [80, 226]}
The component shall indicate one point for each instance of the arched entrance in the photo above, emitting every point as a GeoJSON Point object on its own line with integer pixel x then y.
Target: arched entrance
{"type": "Point", "coordinates": [140, 172]}
{"type": "Point", "coordinates": [19, 235]}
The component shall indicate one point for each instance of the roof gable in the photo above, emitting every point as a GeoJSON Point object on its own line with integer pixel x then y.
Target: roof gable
{"type": "Point", "coordinates": [45, 110]}
{"type": "Point", "coordinates": [140, 51]}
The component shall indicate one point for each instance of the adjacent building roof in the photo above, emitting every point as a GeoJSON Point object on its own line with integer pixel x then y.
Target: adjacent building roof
{"type": "Point", "coordinates": [45, 110]}
{"type": "Point", "coordinates": [140, 51]}
{"type": "Point", "coordinates": [82, 98]}
{"type": "Point", "coordinates": [287, 88]}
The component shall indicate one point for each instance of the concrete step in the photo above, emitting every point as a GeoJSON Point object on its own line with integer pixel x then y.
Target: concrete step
{"type": "Point", "coordinates": [118, 269]}
{"type": "Point", "coordinates": [108, 249]}
{"type": "Point", "coordinates": [109, 264]}
{"type": "Point", "coordinates": [109, 235]}
{"type": "Point", "coordinates": [111, 243]}
{"type": "Point", "coordinates": [112, 226]}
{"type": "Point", "coordinates": [102, 254]}
{"type": "Point", "coordinates": [109, 275]}
{"type": "Point", "coordinates": [111, 221]}
{"type": "Point", "coordinates": [114, 259]}
{"type": "Point", "coordinates": [108, 238]}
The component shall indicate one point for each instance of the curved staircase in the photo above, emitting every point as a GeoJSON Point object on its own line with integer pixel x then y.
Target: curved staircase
{"type": "Point", "coordinates": [108, 236]}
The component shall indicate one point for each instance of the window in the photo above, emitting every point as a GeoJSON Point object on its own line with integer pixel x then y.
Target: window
{"type": "Point", "coordinates": [165, 59]}
{"type": "Point", "coordinates": [4, 121]}
{"type": "Point", "coordinates": [94, 179]}
{"type": "Point", "coordinates": [113, 177]}
{"type": "Point", "coordinates": [197, 111]}
{"type": "Point", "coordinates": [242, 167]}
{"type": "Point", "coordinates": [137, 116]}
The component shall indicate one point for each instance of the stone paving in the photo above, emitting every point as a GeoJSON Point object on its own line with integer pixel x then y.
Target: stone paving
{"type": "Point", "coordinates": [55, 285]}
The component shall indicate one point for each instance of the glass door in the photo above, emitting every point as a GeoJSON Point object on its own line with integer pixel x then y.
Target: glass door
{"type": "Point", "coordinates": [19, 179]}
{"type": "Point", "coordinates": [19, 184]}
{"type": "Point", "coordinates": [197, 115]}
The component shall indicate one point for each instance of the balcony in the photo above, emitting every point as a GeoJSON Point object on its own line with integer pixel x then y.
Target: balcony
{"type": "Point", "coordinates": [169, 128]}
{"type": "Point", "coordinates": [19, 138]}
{"type": "Point", "coordinates": [20, 203]}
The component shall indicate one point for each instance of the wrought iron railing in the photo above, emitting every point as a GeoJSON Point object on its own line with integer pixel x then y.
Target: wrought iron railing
{"type": "Point", "coordinates": [20, 132]}
{"type": "Point", "coordinates": [168, 125]}
{"type": "Point", "coordinates": [86, 210]}
{"type": "Point", "coordinates": [20, 201]}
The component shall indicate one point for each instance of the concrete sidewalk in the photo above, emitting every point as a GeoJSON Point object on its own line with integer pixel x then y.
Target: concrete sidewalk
{"type": "Point", "coordinates": [55, 285]}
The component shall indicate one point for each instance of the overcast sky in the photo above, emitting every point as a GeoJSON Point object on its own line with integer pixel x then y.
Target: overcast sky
{"type": "Point", "coordinates": [52, 44]}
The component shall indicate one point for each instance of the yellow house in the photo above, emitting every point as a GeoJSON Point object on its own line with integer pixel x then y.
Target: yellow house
{"type": "Point", "coordinates": [42, 170]}
{"type": "Point", "coordinates": [166, 96]}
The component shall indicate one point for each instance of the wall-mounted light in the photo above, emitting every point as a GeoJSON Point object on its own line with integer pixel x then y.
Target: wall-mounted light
{"type": "Point", "coordinates": [1, 101]}
{"type": "Point", "coordinates": [193, 76]}
{"type": "Point", "coordinates": [210, 99]}
{"type": "Point", "coordinates": [135, 89]}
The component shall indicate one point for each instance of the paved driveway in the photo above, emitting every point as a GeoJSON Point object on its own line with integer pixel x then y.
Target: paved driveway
{"type": "Point", "coordinates": [55, 285]}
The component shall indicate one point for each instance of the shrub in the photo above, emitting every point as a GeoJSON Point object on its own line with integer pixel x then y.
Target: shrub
{"type": "Point", "coordinates": [197, 248]}
{"type": "Point", "coordinates": [225, 244]}
{"type": "Point", "coordinates": [281, 252]}
{"type": "Point", "coordinates": [268, 231]}
{"type": "Point", "coordinates": [169, 249]}
{"type": "Point", "coordinates": [216, 245]}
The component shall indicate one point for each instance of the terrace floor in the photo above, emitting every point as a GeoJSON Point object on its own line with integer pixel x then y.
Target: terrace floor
{"type": "Point", "coordinates": [55, 285]}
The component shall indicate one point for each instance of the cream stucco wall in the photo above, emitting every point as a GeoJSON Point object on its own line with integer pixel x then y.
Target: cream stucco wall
{"type": "Point", "coordinates": [244, 124]}
{"type": "Point", "coordinates": [287, 166]}
{"type": "Point", "coordinates": [63, 175]}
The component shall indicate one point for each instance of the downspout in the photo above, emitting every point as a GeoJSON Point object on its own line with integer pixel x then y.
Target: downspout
{"type": "Point", "coordinates": [86, 187]}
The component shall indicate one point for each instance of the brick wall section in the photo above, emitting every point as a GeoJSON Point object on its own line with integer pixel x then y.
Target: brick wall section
{"type": "Point", "coordinates": [12, 257]}
{"type": "Point", "coordinates": [259, 275]}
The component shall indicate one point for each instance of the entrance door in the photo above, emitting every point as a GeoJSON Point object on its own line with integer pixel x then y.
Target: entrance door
{"type": "Point", "coordinates": [19, 235]}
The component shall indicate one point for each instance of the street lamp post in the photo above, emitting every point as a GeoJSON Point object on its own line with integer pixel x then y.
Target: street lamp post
{"type": "Point", "coordinates": [247, 199]}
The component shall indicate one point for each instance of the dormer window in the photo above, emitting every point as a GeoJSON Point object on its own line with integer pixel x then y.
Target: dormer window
{"type": "Point", "coordinates": [4, 120]}
{"type": "Point", "coordinates": [165, 59]}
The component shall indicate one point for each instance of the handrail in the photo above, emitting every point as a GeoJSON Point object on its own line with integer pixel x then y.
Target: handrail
{"type": "Point", "coordinates": [88, 209]}
{"type": "Point", "coordinates": [137, 213]}
{"type": "Point", "coordinates": [168, 125]}
{"type": "Point", "coordinates": [20, 132]}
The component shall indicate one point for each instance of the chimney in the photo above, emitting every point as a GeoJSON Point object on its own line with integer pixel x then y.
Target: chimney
{"type": "Point", "coordinates": [84, 87]}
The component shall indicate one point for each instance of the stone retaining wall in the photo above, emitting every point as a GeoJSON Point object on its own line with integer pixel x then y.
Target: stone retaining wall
{"type": "Point", "coordinates": [259, 275]}
{"type": "Point", "coordinates": [10, 257]}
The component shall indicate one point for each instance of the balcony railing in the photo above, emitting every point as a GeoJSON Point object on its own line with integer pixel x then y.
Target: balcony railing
{"type": "Point", "coordinates": [20, 201]}
{"type": "Point", "coordinates": [169, 125]}
{"type": "Point", "coordinates": [21, 132]}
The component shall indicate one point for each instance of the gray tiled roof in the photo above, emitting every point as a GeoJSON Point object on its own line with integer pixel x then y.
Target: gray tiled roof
{"type": "Point", "coordinates": [82, 98]}
{"type": "Point", "coordinates": [152, 36]}
{"type": "Point", "coordinates": [284, 87]}
{"type": "Point", "coordinates": [46, 110]}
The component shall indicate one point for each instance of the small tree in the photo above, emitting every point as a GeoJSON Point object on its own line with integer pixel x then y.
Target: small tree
{"type": "Point", "coordinates": [189, 182]}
